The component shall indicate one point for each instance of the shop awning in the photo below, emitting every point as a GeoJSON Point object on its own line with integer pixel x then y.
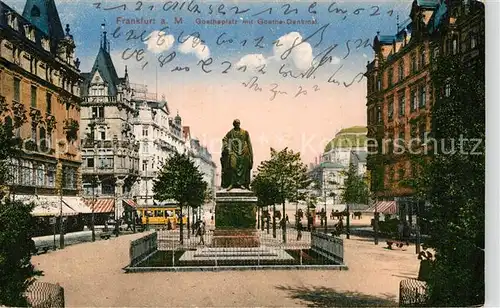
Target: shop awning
{"type": "Point", "coordinates": [77, 204]}
{"type": "Point", "coordinates": [47, 205]}
{"type": "Point", "coordinates": [384, 207]}
{"type": "Point", "coordinates": [101, 205]}
{"type": "Point", "coordinates": [130, 202]}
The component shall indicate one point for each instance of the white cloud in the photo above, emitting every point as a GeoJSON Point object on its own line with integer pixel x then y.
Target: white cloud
{"type": "Point", "coordinates": [159, 41]}
{"type": "Point", "coordinates": [195, 46]}
{"type": "Point", "coordinates": [301, 56]}
{"type": "Point", "coordinates": [335, 60]}
{"type": "Point", "coordinates": [251, 61]}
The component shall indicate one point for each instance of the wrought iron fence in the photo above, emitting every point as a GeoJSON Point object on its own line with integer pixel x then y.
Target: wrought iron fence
{"type": "Point", "coordinates": [237, 249]}
{"type": "Point", "coordinates": [142, 247]}
{"type": "Point", "coordinates": [45, 295]}
{"type": "Point", "coordinates": [412, 293]}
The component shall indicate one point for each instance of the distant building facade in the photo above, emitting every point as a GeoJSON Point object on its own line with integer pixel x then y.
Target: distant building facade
{"type": "Point", "coordinates": [331, 171]}
{"type": "Point", "coordinates": [152, 131]}
{"type": "Point", "coordinates": [203, 160]}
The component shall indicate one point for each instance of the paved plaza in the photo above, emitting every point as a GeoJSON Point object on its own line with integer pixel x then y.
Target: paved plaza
{"type": "Point", "coordinates": [92, 276]}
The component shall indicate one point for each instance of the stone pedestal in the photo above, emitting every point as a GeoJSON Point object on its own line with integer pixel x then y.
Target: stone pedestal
{"type": "Point", "coordinates": [235, 221]}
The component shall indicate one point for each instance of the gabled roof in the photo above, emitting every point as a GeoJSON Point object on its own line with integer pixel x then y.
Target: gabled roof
{"type": "Point", "coordinates": [428, 3]}
{"type": "Point", "coordinates": [104, 65]}
{"type": "Point", "coordinates": [437, 17]}
{"type": "Point", "coordinates": [43, 14]}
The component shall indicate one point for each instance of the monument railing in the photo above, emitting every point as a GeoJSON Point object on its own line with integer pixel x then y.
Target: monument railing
{"type": "Point", "coordinates": [329, 246]}
{"type": "Point", "coordinates": [412, 293]}
{"type": "Point", "coordinates": [143, 247]}
{"type": "Point", "coordinates": [45, 295]}
{"type": "Point", "coordinates": [205, 252]}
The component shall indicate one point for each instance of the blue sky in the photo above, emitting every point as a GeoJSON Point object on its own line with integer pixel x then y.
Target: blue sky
{"type": "Point", "coordinates": [208, 103]}
{"type": "Point", "coordinates": [85, 21]}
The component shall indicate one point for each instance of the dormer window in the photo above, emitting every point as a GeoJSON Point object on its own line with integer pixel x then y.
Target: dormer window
{"type": "Point", "coordinates": [454, 46]}
{"type": "Point", "coordinates": [35, 11]}
{"type": "Point", "coordinates": [12, 20]}
{"type": "Point", "coordinates": [29, 31]}
{"type": "Point", "coordinates": [401, 71]}
{"type": "Point", "coordinates": [473, 41]}
{"type": "Point", "coordinates": [46, 44]}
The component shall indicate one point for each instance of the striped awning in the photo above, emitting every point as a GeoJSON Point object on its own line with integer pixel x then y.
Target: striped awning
{"type": "Point", "coordinates": [77, 204]}
{"type": "Point", "coordinates": [130, 203]}
{"type": "Point", "coordinates": [384, 207]}
{"type": "Point", "coordinates": [102, 205]}
{"type": "Point", "coordinates": [47, 205]}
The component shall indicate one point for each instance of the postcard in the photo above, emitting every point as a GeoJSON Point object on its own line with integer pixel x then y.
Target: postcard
{"type": "Point", "coordinates": [242, 153]}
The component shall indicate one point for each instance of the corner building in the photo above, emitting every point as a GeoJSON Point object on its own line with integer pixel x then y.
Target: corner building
{"type": "Point", "coordinates": [110, 151]}
{"type": "Point", "coordinates": [400, 95]}
{"type": "Point", "coordinates": [40, 101]}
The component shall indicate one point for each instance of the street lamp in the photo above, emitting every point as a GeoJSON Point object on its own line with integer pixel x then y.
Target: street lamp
{"type": "Point", "coordinates": [61, 223]}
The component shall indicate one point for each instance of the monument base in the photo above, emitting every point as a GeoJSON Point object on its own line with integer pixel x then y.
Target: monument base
{"type": "Point", "coordinates": [235, 219]}
{"type": "Point", "coordinates": [235, 238]}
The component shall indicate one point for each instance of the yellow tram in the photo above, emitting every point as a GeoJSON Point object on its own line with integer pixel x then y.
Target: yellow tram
{"type": "Point", "coordinates": [160, 215]}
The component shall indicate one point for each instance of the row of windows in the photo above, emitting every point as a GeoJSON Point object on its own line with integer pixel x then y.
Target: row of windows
{"type": "Point", "coordinates": [418, 100]}
{"type": "Point", "coordinates": [34, 92]}
{"type": "Point", "coordinates": [387, 146]}
{"type": "Point", "coordinates": [29, 173]}
{"type": "Point", "coordinates": [106, 162]}
{"type": "Point", "coordinates": [418, 61]}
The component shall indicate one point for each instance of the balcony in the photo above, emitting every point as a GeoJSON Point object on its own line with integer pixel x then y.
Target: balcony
{"type": "Point", "coordinates": [109, 144]}
{"type": "Point", "coordinates": [99, 99]}
{"type": "Point", "coordinates": [98, 170]}
{"type": "Point", "coordinates": [110, 170]}
{"type": "Point", "coordinates": [149, 174]}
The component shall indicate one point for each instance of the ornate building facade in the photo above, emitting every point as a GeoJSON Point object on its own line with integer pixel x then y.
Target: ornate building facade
{"type": "Point", "coordinates": [400, 95]}
{"type": "Point", "coordinates": [110, 151]}
{"type": "Point", "coordinates": [152, 131]}
{"type": "Point", "coordinates": [40, 100]}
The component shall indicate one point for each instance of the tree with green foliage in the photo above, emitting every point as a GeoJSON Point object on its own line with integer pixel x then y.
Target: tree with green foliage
{"type": "Point", "coordinates": [289, 174]}
{"type": "Point", "coordinates": [16, 246]}
{"type": "Point", "coordinates": [180, 180]}
{"type": "Point", "coordinates": [453, 182]}
{"type": "Point", "coordinates": [266, 191]}
{"type": "Point", "coordinates": [355, 191]}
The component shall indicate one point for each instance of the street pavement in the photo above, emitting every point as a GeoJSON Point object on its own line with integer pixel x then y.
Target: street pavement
{"type": "Point", "coordinates": [92, 276]}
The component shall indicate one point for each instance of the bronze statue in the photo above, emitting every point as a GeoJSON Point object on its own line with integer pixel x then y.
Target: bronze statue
{"type": "Point", "coordinates": [236, 158]}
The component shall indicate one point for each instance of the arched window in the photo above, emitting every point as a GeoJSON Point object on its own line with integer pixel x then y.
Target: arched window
{"type": "Point", "coordinates": [9, 126]}
{"type": "Point", "coordinates": [43, 139]}
{"type": "Point", "coordinates": [35, 11]}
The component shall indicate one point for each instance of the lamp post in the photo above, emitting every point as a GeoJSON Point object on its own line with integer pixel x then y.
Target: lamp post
{"type": "Point", "coordinates": [61, 222]}
{"type": "Point", "coordinates": [94, 182]}
{"type": "Point", "coordinates": [146, 179]}
{"type": "Point", "coordinates": [375, 223]}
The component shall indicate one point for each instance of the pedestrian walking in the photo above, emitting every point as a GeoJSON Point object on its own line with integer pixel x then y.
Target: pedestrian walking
{"type": "Point", "coordinates": [299, 231]}
{"type": "Point", "coordinates": [287, 220]}
{"type": "Point", "coordinates": [406, 233]}
{"type": "Point", "coordinates": [202, 232]}
{"type": "Point", "coordinates": [400, 231]}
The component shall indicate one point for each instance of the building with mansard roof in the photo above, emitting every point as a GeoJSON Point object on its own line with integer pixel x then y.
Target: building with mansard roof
{"type": "Point", "coordinates": [40, 100]}
{"type": "Point", "coordinates": [110, 151]}
{"type": "Point", "coordinates": [399, 90]}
